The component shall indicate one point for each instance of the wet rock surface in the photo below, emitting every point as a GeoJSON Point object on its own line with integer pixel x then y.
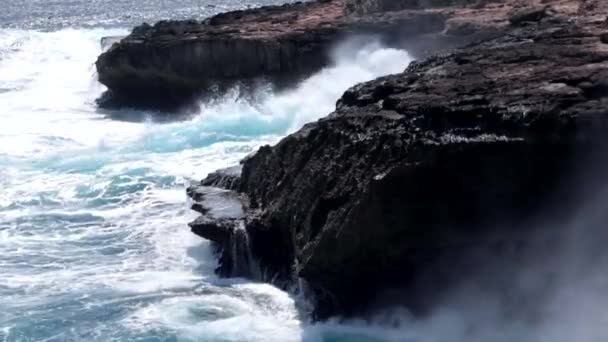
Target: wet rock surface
{"type": "Point", "coordinates": [375, 6]}
{"type": "Point", "coordinates": [228, 178]}
{"type": "Point", "coordinates": [171, 64]}
{"type": "Point", "coordinates": [462, 149]}
{"type": "Point", "coordinates": [222, 223]}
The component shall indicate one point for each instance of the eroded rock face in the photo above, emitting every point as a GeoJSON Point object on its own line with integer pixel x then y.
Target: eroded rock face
{"type": "Point", "coordinates": [362, 7]}
{"type": "Point", "coordinates": [229, 178]}
{"type": "Point", "coordinates": [462, 149]}
{"type": "Point", "coordinates": [171, 64]}
{"type": "Point", "coordinates": [222, 222]}
{"type": "Point", "coordinates": [168, 64]}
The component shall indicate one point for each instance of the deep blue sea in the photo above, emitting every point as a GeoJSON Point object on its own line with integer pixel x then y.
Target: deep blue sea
{"type": "Point", "coordinates": [94, 243]}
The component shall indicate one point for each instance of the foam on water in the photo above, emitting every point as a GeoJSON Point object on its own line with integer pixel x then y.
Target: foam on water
{"type": "Point", "coordinates": [93, 237]}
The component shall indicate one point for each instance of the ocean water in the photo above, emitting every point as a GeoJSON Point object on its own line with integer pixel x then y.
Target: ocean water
{"type": "Point", "coordinates": [94, 243]}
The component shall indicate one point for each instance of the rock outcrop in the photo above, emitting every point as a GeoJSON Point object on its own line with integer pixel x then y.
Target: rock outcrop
{"type": "Point", "coordinates": [170, 64]}
{"type": "Point", "coordinates": [462, 149]}
{"type": "Point", "coordinates": [229, 178]}
{"type": "Point", "coordinates": [375, 6]}
{"type": "Point", "coordinates": [221, 222]}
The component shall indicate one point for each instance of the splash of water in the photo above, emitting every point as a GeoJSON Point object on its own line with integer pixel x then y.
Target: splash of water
{"type": "Point", "coordinates": [93, 237]}
{"type": "Point", "coordinates": [356, 60]}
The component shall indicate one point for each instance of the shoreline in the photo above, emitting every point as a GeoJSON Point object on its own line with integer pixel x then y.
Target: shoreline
{"type": "Point", "coordinates": [460, 152]}
{"type": "Point", "coordinates": [172, 64]}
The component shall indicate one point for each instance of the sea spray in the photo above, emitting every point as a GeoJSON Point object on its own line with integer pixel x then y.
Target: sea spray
{"type": "Point", "coordinates": [554, 289]}
{"type": "Point", "coordinates": [94, 242]}
{"type": "Point", "coordinates": [356, 60]}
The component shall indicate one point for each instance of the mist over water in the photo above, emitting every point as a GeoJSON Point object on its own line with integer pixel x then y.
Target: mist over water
{"type": "Point", "coordinates": [551, 288]}
{"type": "Point", "coordinates": [94, 243]}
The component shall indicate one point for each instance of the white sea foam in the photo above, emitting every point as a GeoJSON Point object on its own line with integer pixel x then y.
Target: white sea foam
{"type": "Point", "coordinates": [93, 237]}
{"type": "Point", "coordinates": [356, 60]}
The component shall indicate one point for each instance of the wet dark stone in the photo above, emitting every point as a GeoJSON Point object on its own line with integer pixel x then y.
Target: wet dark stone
{"type": "Point", "coordinates": [460, 152]}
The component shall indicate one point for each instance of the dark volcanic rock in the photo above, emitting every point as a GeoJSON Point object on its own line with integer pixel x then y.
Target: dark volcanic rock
{"type": "Point", "coordinates": [108, 41]}
{"type": "Point", "coordinates": [217, 230]}
{"type": "Point", "coordinates": [172, 63]}
{"type": "Point", "coordinates": [374, 6]}
{"type": "Point", "coordinates": [222, 223]}
{"type": "Point", "coordinates": [462, 149]}
{"type": "Point", "coordinates": [528, 15]}
{"type": "Point", "coordinates": [228, 178]}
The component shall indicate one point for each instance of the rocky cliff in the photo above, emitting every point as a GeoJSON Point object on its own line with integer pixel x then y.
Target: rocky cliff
{"type": "Point", "coordinates": [462, 149]}
{"type": "Point", "coordinates": [172, 63]}
{"type": "Point", "coordinates": [375, 6]}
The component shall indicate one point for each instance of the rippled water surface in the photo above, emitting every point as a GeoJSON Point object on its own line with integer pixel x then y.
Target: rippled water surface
{"type": "Point", "coordinates": [94, 244]}
{"type": "Point", "coordinates": [55, 14]}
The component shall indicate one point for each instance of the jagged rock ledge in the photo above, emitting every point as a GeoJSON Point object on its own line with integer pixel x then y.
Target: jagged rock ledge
{"type": "Point", "coordinates": [222, 222]}
{"type": "Point", "coordinates": [170, 64]}
{"type": "Point", "coordinates": [461, 150]}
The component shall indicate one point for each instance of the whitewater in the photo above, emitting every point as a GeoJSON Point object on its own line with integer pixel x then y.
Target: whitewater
{"type": "Point", "coordinates": [94, 242]}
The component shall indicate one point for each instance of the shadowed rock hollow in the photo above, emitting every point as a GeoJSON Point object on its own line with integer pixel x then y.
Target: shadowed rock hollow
{"type": "Point", "coordinates": [462, 150]}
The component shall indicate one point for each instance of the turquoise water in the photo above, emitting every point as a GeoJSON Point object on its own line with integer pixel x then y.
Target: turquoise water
{"type": "Point", "coordinates": [57, 14]}
{"type": "Point", "coordinates": [94, 244]}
